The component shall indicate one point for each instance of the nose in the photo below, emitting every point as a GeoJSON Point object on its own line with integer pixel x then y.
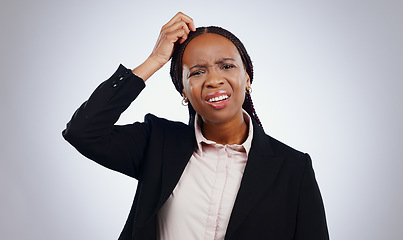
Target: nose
{"type": "Point", "coordinates": [214, 79]}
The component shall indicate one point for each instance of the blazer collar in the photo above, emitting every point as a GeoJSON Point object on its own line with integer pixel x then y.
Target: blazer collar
{"type": "Point", "coordinates": [261, 170]}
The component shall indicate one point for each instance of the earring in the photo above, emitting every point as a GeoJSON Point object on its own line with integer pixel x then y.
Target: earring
{"type": "Point", "coordinates": [185, 101]}
{"type": "Point", "coordinates": [248, 90]}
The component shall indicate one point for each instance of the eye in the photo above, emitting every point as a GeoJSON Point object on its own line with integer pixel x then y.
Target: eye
{"type": "Point", "coordinates": [196, 73]}
{"type": "Point", "coordinates": [227, 66]}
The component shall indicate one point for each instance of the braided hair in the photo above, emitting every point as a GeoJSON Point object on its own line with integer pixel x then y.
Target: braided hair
{"type": "Point", "coordinates": [176, 65]}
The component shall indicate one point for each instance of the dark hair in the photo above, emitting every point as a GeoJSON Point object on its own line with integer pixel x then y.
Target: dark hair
{"type": "Point", "coordinates": [176, 65]}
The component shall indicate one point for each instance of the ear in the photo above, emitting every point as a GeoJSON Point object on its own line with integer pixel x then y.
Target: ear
{"type": "Point", "coordinates": [247, 80]}
{"type": "Point", "coordinates": [183, 93]}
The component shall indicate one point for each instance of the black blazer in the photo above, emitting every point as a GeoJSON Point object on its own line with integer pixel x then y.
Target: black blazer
{"type": "Point", "coordinates": [278, 196]}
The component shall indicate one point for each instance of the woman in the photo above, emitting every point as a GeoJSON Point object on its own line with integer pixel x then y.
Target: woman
{"type": "Point", "coordinates": [221, 176]}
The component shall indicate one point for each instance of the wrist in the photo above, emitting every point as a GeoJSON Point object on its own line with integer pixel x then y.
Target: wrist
{"type": "Point", "coordinates": [147, 68]}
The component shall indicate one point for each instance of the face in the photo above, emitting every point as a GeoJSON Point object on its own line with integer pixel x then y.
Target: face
{"type": "Point", "coordinates": [214, 78]}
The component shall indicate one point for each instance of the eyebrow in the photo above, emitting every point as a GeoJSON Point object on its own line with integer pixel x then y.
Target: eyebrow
{"type": "Point", "coordinates": [217, 62]}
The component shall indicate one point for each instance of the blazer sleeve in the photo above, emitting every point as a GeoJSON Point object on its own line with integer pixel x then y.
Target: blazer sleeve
{"type": "Point", "coordinates": [92, 132]}
{"type": "Point", "coordinates": [311, 219]}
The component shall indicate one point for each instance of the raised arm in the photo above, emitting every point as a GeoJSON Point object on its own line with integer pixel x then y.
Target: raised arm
{"type": "Point", "coordinates": [92, 130]}
{"type": "Point", "coordinates": [175, 31]}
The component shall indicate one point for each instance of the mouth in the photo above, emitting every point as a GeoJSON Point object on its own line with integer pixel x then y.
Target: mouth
{"type": "Point", "coordinates": [218, 100]}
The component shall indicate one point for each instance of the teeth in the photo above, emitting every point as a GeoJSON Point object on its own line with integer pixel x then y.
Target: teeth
{"type": "Point", "coordinates": [220, 98]}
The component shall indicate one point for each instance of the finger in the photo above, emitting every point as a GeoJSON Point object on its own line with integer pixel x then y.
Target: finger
{"type": "Point", "coordinates": [181, 17]}
{"type": "Point", "coordinates": [178, 25]}
{"type": "Point", "coordinates": [185, 27]}
{"type": "Point", "coordinates": [183, 38]}
{"type": "Point", "coordinates": [176, 35]}
{"type": "Point", "coordinates": [189, 21]}
{"type": "Point", "coordinates": [173, 20]}
{"type": "Point", "coordinates": [177, 32]}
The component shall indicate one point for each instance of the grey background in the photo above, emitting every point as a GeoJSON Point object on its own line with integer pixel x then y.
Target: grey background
{"type": "Point", "coordinates": [328, 81]}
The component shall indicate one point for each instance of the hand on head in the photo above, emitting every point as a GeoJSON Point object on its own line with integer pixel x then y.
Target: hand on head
{"type": "Point", "coordinates": [176, 30]}
{"type": "Point", "coordinates": [172, 33]}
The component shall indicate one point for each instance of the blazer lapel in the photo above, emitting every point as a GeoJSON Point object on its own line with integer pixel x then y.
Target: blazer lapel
{"type": "Point", "coordinates": [260, 172]}
{"type": "Point", "coordinates": [179, 147]}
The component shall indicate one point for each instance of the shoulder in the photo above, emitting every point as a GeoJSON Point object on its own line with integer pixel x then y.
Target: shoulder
{"type": "Point", "coordinates": [167, 126]}
{"type": "Point", "coordinates": [273, 146]}
{"type": "Point", "coordinates": [152, 119]}
{"type": "Point", "coordinates": [293, 162]}
{"type": "Point", "coordinates": [279, 150]}
{"type": "Point", "coordinates": [170, 134]}
{"type": "Point", "coordinates": [292, 156]}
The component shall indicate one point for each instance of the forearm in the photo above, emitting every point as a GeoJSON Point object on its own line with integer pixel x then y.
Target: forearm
{"type": "Point", "coordinates": [147, 68]}
{"type": "Point", "coordinates": [92, 132]}
{"type": "Point", "coordinates": [106, 103]}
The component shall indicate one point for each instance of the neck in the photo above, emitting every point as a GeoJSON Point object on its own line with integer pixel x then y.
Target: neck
{"type": "Point", "coordinates": [233, 132]}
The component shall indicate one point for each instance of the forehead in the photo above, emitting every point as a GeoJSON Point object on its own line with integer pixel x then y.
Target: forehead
{"type": "Point", "coordinates": [209, 47]}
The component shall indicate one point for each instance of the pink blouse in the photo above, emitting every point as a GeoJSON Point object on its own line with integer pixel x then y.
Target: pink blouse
{"type": "Point", "coordinates": [200, 206]}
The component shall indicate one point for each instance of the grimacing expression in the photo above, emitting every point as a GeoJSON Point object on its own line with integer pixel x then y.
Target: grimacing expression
{"type": "Point", "coordinates": [214, 78]}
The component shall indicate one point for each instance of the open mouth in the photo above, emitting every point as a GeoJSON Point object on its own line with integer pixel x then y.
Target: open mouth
{"type": "Point", "coordinates": [218, 100]}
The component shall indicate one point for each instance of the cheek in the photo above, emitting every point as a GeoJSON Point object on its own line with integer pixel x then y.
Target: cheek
{"type": "Point", "coordinates": [186, 87]}
{"type": "Point", "coordinates": [242, 89]}
{"type": "Point", "coordinates": [241, 82]}
{"type": "Point", "coordinates": [241, 96]}
{"type": "Point", "coordinates": [185, 82]}
{"type": "Point", "coordinates": [192, 90]}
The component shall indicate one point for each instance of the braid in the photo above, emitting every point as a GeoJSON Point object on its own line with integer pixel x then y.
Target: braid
{"type": "Point", "coordinates": [176, 65]}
